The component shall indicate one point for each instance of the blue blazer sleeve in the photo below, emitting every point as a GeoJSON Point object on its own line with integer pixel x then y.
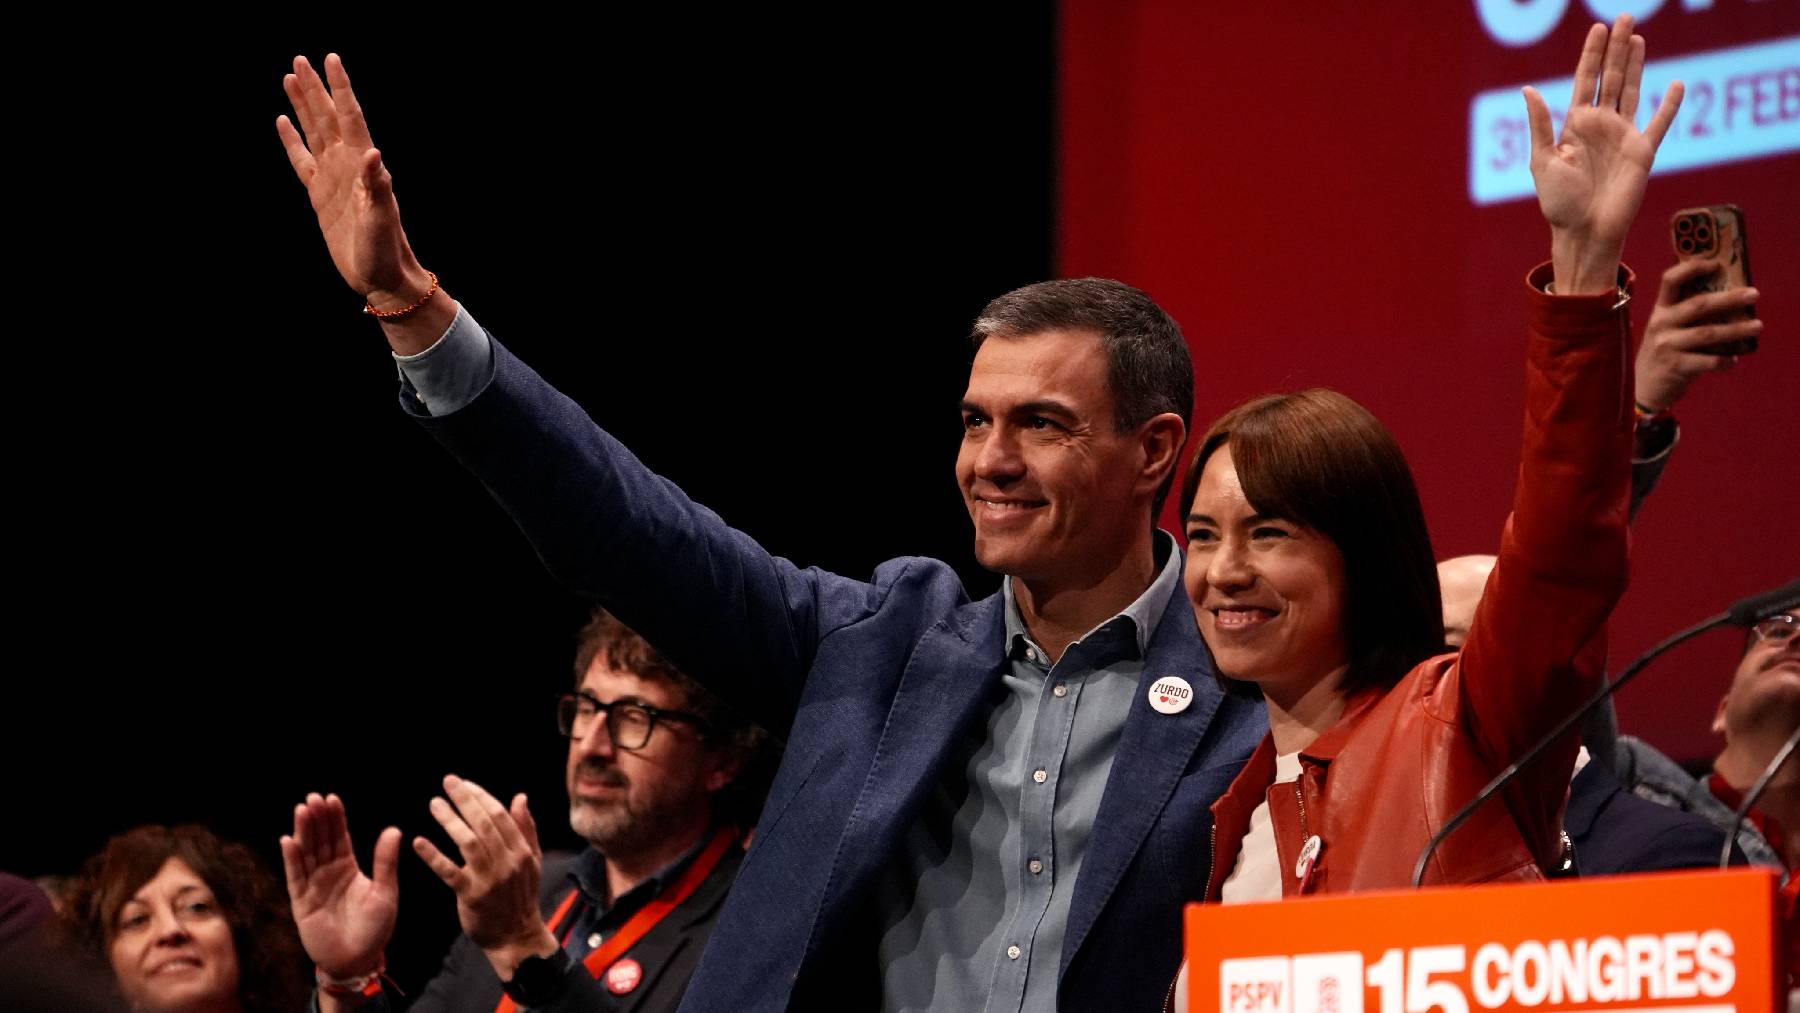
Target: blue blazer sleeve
{"type": "Point", "coordinates": [725, 611]}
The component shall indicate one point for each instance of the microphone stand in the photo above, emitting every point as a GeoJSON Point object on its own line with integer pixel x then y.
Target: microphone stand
{"type": "Point", "coordinates": [1755, 792]}
{"type": "Point", "coordinates": [1500, 780]}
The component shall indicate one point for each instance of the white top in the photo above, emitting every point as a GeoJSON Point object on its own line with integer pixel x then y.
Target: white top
{"type": "Point", "coordinates": [1257, 874]}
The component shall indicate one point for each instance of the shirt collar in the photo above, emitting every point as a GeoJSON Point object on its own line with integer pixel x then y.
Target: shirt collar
{"type": "Point", "coordinates": [589, 876]}
{"type": "Point", "coordinates": [1142, 614]}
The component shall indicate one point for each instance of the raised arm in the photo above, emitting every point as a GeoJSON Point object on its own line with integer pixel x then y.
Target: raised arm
{"type": "Point", "coordinates": [726, 611]}
{"type": "Point", "coordinates": [353, 195]}
{"type": "Point", "coordinates": [1536, 647]}
{"type": "Point", "coordinates": [1676, 351]}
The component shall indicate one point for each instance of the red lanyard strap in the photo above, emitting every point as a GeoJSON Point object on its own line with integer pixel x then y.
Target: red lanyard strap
{"type": "Point", "coordinates": [562, 911]}
{"type": "Point", "coordinates": [670, 899]}
{"type": "Point", "coordinates": [640, 924]}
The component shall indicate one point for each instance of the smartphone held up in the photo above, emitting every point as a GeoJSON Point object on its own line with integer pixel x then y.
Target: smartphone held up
{"type": "Point", "coordinates": [1716, 233]}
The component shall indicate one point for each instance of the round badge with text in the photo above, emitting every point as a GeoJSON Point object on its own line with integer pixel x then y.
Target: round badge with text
{"type": "Point", "coordinates": [624, 976]}
{"type": "Point", "coordinates": [1171, 695]}
{"type": "Point", "coordinates": [1309, 853]}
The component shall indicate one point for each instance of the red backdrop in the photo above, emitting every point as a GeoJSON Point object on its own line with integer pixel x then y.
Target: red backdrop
{"type": "Point", "coordinates": [1296, 191]}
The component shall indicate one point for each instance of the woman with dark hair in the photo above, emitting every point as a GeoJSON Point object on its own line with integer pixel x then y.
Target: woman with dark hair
{"type": "Point", "coordinates": [1313, 579]}
{"type": "Point", "coordinates": [188, 923]}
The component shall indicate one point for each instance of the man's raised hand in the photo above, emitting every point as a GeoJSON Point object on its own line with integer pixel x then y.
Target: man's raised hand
{"type": "Point", "coordinates": [353, 196]}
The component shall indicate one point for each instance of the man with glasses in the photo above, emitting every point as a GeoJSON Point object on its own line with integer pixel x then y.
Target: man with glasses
{"type": "Point", "coordinates": [663, 782]}
{"type": "Point", "coordinates": [1757, 715]}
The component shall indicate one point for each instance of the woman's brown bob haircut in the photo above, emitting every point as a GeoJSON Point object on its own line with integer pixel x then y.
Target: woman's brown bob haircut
{"type": "Point", "coordinates": [1320, 459]}
{"type": "Point", "coordinates": [271, 963]}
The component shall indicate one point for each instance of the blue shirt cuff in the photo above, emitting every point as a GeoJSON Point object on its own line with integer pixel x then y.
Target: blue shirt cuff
{"type": "Point", "coordinates": [454, 370]}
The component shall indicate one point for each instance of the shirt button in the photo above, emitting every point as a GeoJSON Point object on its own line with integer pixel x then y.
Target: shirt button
{"type": "Point", "coordinates": [1040, 776]}
{"type": "Point", "coordinates": [1036, 867]}
{"type": "Point", "coordinates": [1031, 652]}
{"type": "Point", "coordinates": [1013, 952]}
{"type": "Point", "coordinates": [594, 941]}
{"type": "Point", "coordinates": [1060, 690]}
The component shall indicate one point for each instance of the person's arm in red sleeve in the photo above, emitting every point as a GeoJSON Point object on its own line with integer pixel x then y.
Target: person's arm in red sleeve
{"type": "Point", "coordinates": [1536, 647]}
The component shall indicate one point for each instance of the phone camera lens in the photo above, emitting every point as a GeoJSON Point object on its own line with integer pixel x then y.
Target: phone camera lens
{"type": "Point", "coordinates": [1684, 225]}
{"type": "Point", "coordinates": [1686, 245]}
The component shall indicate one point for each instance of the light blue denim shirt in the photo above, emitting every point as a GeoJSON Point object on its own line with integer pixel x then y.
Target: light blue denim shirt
{"type": "Point", "coordinates": [454, 370]}
{"type": "Point", "coordinates": [974, 907]}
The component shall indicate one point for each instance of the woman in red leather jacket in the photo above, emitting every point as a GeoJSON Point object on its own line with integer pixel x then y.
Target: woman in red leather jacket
{"type": "Point", "coordinates": [1313, 578]}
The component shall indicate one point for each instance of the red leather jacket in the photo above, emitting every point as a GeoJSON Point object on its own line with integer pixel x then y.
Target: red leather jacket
{"type": "Point", "coordinates": [1378, 784]}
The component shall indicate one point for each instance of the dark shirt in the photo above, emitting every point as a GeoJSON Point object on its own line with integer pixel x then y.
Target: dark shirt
{"type": "Point", "coordinates": [591, 922]}
{"type": "Point", "coordinates": [668, 954]}
{"type": "Point", "coordinates": [1614, 831]}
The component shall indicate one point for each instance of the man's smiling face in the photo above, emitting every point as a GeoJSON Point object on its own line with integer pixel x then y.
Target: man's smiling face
{"type": "Point", "coordinates": [1047, 478]}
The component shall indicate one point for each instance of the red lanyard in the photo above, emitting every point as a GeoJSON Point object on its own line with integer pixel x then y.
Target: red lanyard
{"type": "Point", "coordinates": [640, 924]}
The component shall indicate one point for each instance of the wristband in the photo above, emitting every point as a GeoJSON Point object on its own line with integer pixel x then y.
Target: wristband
{"type": "Point", "coordinates": [404, 311]}
{"type": "Point", "coordinates": [361, 986]}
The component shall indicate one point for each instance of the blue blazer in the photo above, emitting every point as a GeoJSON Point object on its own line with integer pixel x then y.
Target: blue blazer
{"type": "Point", "coordinates": [872, 683]}
{"type": "Point", "coordinates": [1615, 832]}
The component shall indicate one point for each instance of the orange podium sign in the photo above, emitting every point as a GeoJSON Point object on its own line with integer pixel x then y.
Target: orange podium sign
{"type": "Point", "coordinates": [1679, 942]}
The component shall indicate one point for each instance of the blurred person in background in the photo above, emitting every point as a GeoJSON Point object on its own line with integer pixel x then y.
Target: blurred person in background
{"type": "Point", "coordinates": [188, 923]}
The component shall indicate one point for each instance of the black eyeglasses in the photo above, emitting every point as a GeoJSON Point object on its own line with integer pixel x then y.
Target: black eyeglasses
{"type": "Point", "coordinates": [628, 723]}
{"type": "Point", "coordinates": [1777, 628]}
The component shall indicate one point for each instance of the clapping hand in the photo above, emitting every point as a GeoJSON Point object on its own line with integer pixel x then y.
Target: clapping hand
{"type": "Point", "coordinates": [497, 884]}
{"type": "Point", "coordinates": [345, 918]}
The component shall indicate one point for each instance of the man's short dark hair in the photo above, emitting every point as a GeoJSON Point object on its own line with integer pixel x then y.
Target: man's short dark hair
{"type": "Point", "coordinates": [1148, 368]}
{"type": "Point", "coordinates": [740, 802]}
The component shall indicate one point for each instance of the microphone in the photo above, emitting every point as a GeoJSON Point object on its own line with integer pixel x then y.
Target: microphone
{"type": "Point", "coordinates": [1757, 607]}
{"type": "Point", "coordinates": [1755, 792]}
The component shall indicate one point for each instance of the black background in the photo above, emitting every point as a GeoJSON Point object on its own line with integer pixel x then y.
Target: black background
{"type": "Point", "coordinates": [751, 248]}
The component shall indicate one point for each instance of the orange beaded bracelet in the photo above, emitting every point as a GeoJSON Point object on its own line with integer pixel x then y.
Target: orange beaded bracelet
{"type": "Point", "coordinates": [405, 311]}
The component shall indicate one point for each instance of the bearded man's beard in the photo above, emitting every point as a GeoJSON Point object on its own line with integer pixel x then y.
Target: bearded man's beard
{"type": "Point", "coordinates": [613, 825]}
